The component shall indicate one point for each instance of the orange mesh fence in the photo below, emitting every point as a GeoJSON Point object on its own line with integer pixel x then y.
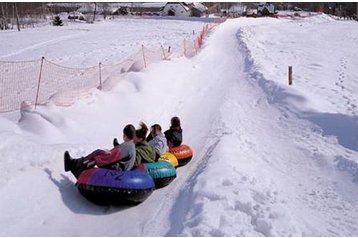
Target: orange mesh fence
{"type": "Point", "coordinates": [18, 83]}
{"type": "Point", "coordinates": [63, 85]}
{"type": "Point", "coordinates": [191, 49]}
{"type": "Point", "coordinates": [42, 81]}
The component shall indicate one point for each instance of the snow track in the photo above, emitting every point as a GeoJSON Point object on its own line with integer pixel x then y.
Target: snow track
{"type": "Point", "coordinates": [236, 196]}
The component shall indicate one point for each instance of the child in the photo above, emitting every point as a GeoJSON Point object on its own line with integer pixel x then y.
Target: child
{"type": "Point", "coordinates": [174, 135]}
{"type": "Point", "coordinates": [121, 157]}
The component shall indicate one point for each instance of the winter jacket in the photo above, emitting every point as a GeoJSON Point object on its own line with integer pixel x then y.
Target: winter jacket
{"type": "Point", "coordinates": [128, 155]}
{"type": "Point", "coordinates": [159, 143]}
{"type": "Point", "coordinates": [145, 153]}
{"type": "Point", "coordinates": [174, 136]}
{"type": "Point", "coordinates": [121, 157]}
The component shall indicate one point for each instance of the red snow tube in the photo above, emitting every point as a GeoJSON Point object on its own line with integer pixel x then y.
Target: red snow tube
{"type": "Point", "coordinates": [183, 153]}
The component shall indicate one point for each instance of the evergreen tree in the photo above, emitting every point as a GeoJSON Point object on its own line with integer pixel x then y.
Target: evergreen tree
{"type": "Point", "coordinates": [57, 21]}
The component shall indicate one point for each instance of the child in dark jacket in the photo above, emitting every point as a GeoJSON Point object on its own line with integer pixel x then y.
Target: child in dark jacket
{"type": "Point", "coordinates": [175, 134]}
{"type": "Point", "coordinates": [121, 157]}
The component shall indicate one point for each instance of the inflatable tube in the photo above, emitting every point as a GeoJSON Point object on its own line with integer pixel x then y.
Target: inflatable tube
{"type": "Point", "coordinates": [183, 153]}
{"type": "Point", "coordinates": [169, 157]}
{"type": "Point", "coordinates": [104, 186]}
{"type": "Point", "coordinates": [162, 172]}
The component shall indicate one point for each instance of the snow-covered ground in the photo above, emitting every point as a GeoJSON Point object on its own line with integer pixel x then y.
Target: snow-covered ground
{"type": "Point", "coordinates": [83, 45]}
{"type": "Point", "coordinates": [269, 159]}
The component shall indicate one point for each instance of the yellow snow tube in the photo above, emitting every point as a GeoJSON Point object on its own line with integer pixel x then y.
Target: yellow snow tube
{"type": "Point", "coordinates": [167, 156]}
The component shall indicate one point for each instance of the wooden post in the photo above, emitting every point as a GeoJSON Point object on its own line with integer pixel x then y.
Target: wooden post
{"type": "Point", "coordinates": [100, 75]}
{"type": "Point", "coordinates": [39, 82]}
{"type": "Point", "coordinates": [289, 75]}
{"type": "Point", "coordinates": [145, 63]}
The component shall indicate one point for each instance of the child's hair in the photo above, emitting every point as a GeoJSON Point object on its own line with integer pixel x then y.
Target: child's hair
{"type": "Point", "coordinates": [129, 131]}
{"type": "Point", "coordinates": [175, 122]}
{"type": "Point", "coordinates": [156, 127]}
{"type": "Point", "coordinates": [142, 132]}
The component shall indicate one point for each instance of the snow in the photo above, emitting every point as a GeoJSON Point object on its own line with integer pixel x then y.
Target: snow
{"type": "Point", "coordinates": [84, 45]}
{"type": "Point", "coordinates": [269, 159]}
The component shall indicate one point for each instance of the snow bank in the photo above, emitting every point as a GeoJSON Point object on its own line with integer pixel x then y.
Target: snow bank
{"type": "Point", "coordinates": [274, 175]}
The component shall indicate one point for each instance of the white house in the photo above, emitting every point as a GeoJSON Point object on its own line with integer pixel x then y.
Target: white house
{"type": "Point", "coordinates": [266, 9]}
{"type": "Point", "coordinates": [176, 9]}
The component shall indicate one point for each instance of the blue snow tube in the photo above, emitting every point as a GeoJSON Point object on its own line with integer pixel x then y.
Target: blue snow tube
{"type": "Point", "coordinates": [104, 186]}
{"type": "Point", "coordinates": [162, 172]}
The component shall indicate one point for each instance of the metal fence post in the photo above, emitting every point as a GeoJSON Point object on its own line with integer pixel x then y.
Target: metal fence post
{"type": "Point", "coordinates": [164, 57]}
{"type": "Point", "coordinates": [145, 63]}
{"type": "Point", "coordinates": [184, 45]}
{"type": "Point", "coordinates": [100, 75]}
{"type": "Point", "coordinates": [39, 82]}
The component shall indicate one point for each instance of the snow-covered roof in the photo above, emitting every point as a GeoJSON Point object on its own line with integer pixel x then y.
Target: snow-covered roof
{"type": "Point", "coordinates": [183, 4]}
{"type": "Point", "coordinates": [154, 4]}
{"type": "Point", "coordinates": [200, 6]}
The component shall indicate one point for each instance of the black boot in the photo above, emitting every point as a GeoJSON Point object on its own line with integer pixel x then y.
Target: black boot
{"type": "Point", "coordinates": [76, 166]}
{"type": "Point", "coordinates": [68, 161]}
{"type": "Point", "coordinates": [115, 142]}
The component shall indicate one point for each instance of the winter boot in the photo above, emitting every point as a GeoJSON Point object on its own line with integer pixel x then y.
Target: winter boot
{"type": "Point", "coordinates": [115, 142]}
{"type": "Point", "coordinates": [76, 166]}
{"type": "Point", "coordinates": [68, 161]}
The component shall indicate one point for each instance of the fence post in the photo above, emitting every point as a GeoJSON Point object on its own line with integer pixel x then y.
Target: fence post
{"type": "Point", "coordinates": [196, 49]}
{"type": "Point", "coordinates": [39, 82]}
{"type": "Point", "coordinates": [289, 75]}
{"type": "Point", "coordinates": [145, 63]}
{"type": "Point", "coordinates": [200, 41]}
{"type": "Point", "coordinates": [164, 57]}
{"type": "Point", "coordinates": [184, 45]}
{"type": "Point", "coordinates": [100, 75]}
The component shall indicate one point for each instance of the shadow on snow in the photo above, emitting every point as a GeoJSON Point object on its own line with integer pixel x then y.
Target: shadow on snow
{"type": "Point", "coordinates": [76, 202]}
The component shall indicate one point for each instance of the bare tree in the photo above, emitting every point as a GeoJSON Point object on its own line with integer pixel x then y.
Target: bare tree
{"type": "Point", "coordinates": [94, 12]}
{"type": "Point", "coordinates": [21, 14]}
{"type": "Point", "coordinates": [105, 9]}
{"type": "Point", "coordinates": [4, 20]}
{"type": "Point", "coordinates": [16, 16]}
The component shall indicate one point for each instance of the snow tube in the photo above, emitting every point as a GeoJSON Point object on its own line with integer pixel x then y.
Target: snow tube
{"type": "Point", "coordinates": [183, 153]}
{"type": "Point", "coordinates": [162, 172]}
{"type": "Point", "coordinates": [169, 157]}
{"type": "Point", "coordinates": [104, 186]}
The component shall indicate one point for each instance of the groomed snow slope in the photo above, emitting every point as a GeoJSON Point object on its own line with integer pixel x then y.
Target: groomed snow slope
{"type": "Point", "coordinates": [269, 160]}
